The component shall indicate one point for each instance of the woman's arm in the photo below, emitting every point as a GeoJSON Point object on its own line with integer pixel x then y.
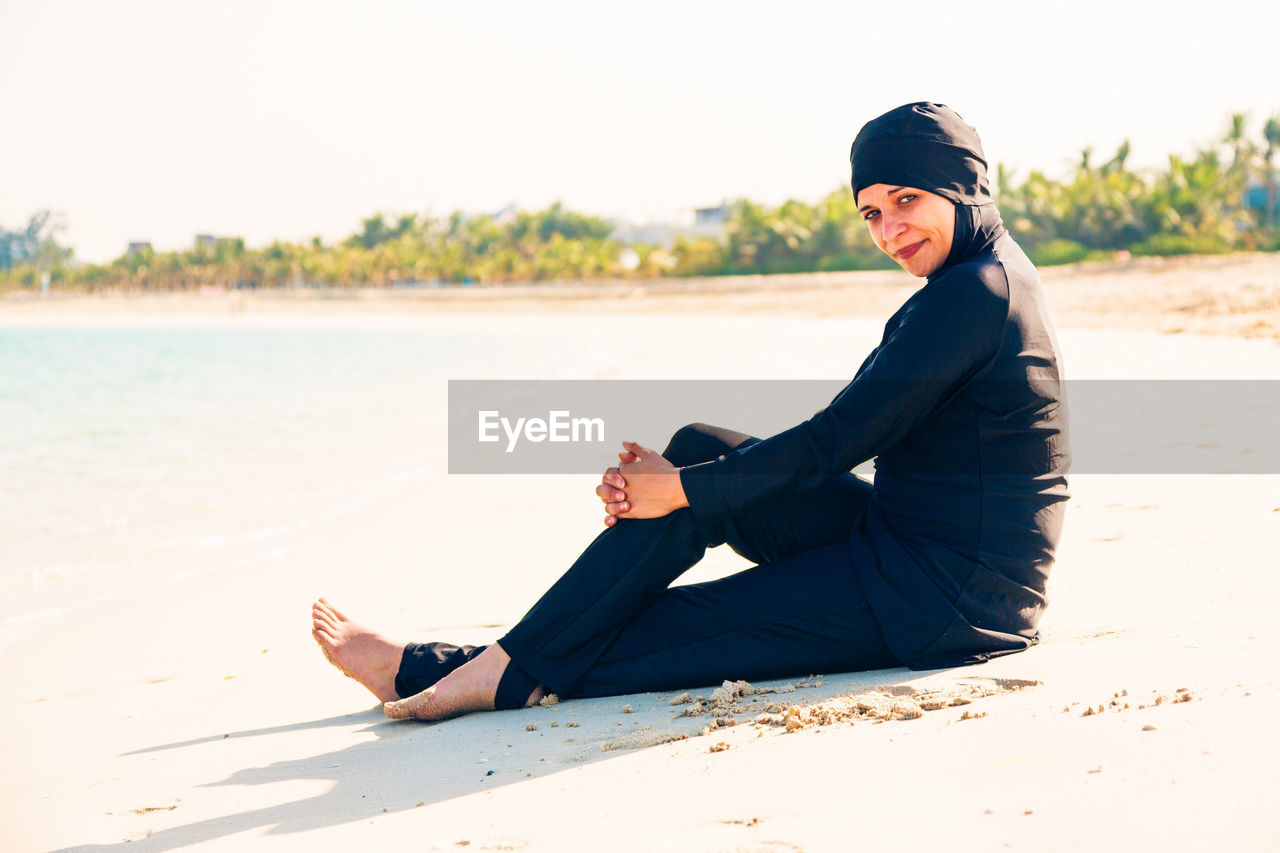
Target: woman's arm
{"type": "Point", "coordinates": [947, 334]}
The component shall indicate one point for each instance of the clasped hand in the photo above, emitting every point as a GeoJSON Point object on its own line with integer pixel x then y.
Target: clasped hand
{"type": "Point", "coordinates": [643, 485]}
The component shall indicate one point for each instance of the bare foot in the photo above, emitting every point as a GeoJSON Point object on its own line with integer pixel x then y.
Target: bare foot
{"type": "Point", "coordinates": [362, 654]}
{"type": "Point", "coordinates": [470, 687]}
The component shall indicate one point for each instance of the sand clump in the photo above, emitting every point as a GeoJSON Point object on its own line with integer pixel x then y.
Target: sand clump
{"type": "Point", "coordinates": [880, 704]}
{"type": "Point", "coordinates": [736, 697]}
{"type": "Point", "coordinates": [1117, 703]}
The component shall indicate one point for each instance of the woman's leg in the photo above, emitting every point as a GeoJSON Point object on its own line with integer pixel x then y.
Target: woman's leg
{"type": "Point", "coordinates": [619, 586]}
{"type": "Point", "coordinates": [628, 567]}
{"type": "Point", "coordinates": [803, 614]}
{"type": "Point", "coordinates": [423, 664]}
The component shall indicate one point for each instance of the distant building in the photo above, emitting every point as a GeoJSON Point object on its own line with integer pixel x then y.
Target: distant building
{"type": "Point", "coordinates": [138, 246]}
{"type": "Point", "coordinates": [707, 222]}
{"type": "Point", "coordinates": [718, 215]}
{"type": "Point", "coordinates": [210, 243]}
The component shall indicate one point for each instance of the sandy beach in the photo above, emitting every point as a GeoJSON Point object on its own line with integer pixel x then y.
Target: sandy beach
{"type": "Point", "coordinates": [197, 711]}
{"type": "Point", "coordinates": [1230, 295]}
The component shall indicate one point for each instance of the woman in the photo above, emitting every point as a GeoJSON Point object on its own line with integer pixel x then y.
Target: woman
{"type": "Point", "coordinates": [942, 562]}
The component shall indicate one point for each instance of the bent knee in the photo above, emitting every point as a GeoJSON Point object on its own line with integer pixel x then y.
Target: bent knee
{"type": "Point", "coordinates": [699, 442]}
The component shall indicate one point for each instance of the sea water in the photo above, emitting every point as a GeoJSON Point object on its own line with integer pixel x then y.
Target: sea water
{"type": "Point", "coordinates": [138, 456]}
{"type": "Point", "coordinates": [131, 457]}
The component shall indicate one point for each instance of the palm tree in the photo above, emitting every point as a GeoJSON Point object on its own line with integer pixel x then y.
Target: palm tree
{"type": "Point", "coordinates": [1271, 133]}
{"type": "Point", "coordinates": [1243, 154]}
{"type": "Point", "coordinates": [1238, 140]}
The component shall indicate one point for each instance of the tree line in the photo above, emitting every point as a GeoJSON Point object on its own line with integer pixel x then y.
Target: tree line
{"type": "Point", "coordinates": [1220, 199]}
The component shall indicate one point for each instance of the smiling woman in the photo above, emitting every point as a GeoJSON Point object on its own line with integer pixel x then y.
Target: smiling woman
{"type": "Point", "coordinates": [912, 226]}
{"type": "Point", "coordinates": [942, 561]}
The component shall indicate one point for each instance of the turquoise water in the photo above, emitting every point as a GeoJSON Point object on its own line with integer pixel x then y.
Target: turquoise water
{"type": "Point", "coordinates": [135, 456]}
{"type": "Point", "coordinates": [95, 414]}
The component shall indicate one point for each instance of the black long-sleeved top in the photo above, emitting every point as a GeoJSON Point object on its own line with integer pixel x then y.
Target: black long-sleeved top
{"type": "Point", "coordinates": [962, 407]}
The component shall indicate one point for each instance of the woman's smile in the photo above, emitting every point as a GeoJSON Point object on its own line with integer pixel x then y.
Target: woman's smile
{"type": "Point", "coordinates": [904, 254]}
{"type": "Point", "coordinates": [912, 226]}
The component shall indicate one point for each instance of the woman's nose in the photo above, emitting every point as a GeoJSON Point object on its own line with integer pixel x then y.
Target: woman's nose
{"type": "Point", "coordinates": [891, 226]}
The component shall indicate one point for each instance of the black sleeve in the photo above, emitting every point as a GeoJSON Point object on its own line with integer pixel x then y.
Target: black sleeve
{"type": "Point", "coordinates": [948, 332]}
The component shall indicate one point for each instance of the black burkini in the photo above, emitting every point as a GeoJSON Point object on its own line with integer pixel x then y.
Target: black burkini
{"type": "Point", "coordinates": [942, 562]}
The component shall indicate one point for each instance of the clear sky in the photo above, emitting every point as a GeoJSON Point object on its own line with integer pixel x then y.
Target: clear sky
{"type": "Point", "coordinates": [157, 120]}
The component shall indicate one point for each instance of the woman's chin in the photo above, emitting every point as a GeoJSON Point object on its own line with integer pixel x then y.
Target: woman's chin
{"type": "Point", "coordinates": [919, 265]}
{"type": "Point", "coordinates": [915, 267]}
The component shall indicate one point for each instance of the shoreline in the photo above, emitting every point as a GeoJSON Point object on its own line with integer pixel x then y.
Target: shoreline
{"type": "Point", "coordinates": [1232, 295]}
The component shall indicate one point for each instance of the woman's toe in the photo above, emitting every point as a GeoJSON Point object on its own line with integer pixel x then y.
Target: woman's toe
{"type": "Point", "coordinates": [402, 709]}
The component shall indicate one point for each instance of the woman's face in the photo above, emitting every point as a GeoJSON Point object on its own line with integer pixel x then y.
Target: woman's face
{"type": "Point", "coordinates": [912, 226]}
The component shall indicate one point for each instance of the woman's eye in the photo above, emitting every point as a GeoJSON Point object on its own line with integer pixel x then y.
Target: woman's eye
{"type": "Point", "coordinates": [869, 215]}
{"type": "Point", "coordinates": [905, 197]}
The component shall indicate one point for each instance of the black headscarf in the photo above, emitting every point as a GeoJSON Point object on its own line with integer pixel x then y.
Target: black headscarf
{"type": "Point", "coordinates": [929, 147]}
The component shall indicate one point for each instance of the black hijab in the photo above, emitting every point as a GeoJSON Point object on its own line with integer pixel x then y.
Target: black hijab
{"type": "Point", "coordinates": [929, 147]}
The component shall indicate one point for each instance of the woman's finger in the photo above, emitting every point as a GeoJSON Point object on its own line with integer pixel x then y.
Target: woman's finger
{"type": "Point", "coordinates": [613, 477]}
{"type": "Point", "coordinates": [608, 493]}
{"type": "Point", "coordinates": [637, 449]}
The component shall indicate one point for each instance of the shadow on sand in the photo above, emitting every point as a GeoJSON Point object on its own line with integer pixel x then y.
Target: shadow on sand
{"type": "Point", "coordinates": [408, 764]}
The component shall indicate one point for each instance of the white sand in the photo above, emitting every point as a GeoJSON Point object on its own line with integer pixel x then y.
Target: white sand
{"type": "Point", "coordinates": [202, 713]}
